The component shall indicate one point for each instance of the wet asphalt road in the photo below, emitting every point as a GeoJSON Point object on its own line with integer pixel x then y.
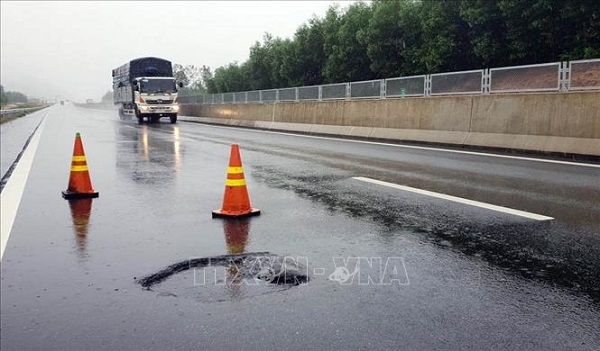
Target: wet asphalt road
{"type": "Point", "coordinates": [464, 277]}
{"type": "Point", "coordinates": [14, 135]}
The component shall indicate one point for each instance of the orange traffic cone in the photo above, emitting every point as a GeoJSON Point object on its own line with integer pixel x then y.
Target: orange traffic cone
{"type": "Point", "coordinates": [236, 234]}
{"type": "Point", "coordinates": [80, 185]}
{"type": "Point", "coordinates": [236, 202]}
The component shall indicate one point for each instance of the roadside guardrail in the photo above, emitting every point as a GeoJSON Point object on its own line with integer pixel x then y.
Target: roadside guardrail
{"type": "Point", "coordinates": [19, 111]}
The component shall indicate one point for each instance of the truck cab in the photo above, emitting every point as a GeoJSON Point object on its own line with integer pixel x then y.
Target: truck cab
{"type": "Point", "coordinates": [155, 97]}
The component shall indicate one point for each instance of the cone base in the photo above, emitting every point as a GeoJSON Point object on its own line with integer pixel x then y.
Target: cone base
{"type": "Point", "coordinates": [73, 195]}
{"type": "Point", "coordinates": [237, 214]}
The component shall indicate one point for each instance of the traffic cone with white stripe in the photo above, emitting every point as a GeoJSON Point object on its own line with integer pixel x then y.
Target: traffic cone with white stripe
{"type": "Point", "coordinates": [236, 202]}
{"type": "Point", "coordinates": [80, 185]}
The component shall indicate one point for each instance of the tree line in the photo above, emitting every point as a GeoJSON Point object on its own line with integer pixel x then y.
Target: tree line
{"type": "Point", "coordinates": [384, 39]}
{"type": "Point", "coordinates": [8, 97]}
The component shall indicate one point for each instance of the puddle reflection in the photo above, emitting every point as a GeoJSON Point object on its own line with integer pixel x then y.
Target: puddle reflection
{"type": "Point", "coordinates": [81, 210]}
{"type": "Point", "coordinates": [236, 236]}
{"type": "Point", "coordinates": [149, 154]}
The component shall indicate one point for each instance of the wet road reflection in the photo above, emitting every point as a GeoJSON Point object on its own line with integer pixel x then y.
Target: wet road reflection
{"type": "Point", "coordinates": [231, 277]}
{"type": "Point", "coordinates": [148, 157]}
{"type": "Point", "coordinates": [236, 237]}
{"type": "Point", "coordinates": [81, 210]}
{"type": "Point", "coordinates": [236, 234]}
{"type": "Point", "coordinates": [551, 252]}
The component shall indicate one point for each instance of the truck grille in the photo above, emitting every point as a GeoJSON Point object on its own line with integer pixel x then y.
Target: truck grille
{"type": "Point", "coordinates": [159, 102]}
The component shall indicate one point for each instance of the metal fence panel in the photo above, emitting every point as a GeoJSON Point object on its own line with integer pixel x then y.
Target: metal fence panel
{"type": "Point", "coordinates": [240, 98]}
{"type": "Point", "coordinates": [287, 94]}
{"type": "Point", "coordinates": [308, 93]}
{"type": "Point", "coordinates": [269, 95]}
{"type": "Point", "coordinates": [544, 77]}
{"type": "Point", "coordinates": [405, 86]}
{"type": "Point", "coordinates": [333, 91]}
{"type": "Point", "coordinates": [465, 82]}
{"type": "Point", "coordinates": [585, 74]}
{"type": "Point", "coordinates": [228, 98]}
{"type": "Point", "coordinates": [574, 75]}
{"type": "Point", "coordinates": [195, 99]}
{"type": "Point", "coordinates": [366, 89]}
{"type": "Point", "coordinates": [253, 96]}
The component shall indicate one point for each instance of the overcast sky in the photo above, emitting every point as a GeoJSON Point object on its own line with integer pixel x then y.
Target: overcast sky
{"type": "Point", "coordinates": [69, 48]}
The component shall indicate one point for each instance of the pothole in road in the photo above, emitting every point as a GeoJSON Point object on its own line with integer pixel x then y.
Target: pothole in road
{"type": "Point", "coordinates": [227, 277]}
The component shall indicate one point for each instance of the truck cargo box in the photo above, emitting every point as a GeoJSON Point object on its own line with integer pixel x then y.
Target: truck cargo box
{"type": "Point", "coordinates": [141, 67]}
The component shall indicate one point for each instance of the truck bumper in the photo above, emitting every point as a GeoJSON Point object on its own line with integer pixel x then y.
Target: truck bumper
{"type": "Point", "coordinates": [158, 110]}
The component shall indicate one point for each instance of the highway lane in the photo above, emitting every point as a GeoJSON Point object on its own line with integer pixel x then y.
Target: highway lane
{"type": "Point", "coordinates": [465, 277]}
{"type": "Point", "coordinates": [14, 135]}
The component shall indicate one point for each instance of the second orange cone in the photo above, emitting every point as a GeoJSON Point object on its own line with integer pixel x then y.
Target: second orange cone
{"type": "Point", "coordinates": [80, 185]}
{"type": "Point", "coordinates": [236, 202]}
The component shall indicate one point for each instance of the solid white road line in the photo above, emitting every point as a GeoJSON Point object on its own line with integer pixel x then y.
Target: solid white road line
{"type": "Point", "coordinates": [461, 200]}
{"type": "Point", "coordinates": [10, 198]}
{"type": "Point", "coordinates": [580, 164]}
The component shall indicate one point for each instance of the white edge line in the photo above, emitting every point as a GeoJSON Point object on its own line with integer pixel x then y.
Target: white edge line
{"type": "Point", "coordinates": [461, 200]}
{"type": "Point", "coordinates": [580, 164]}
{"type": "Point", "coordinates": [11, 195]}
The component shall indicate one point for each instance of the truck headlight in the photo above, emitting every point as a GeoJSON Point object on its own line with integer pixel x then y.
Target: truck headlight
{"type": "Point", "coordinates": [143, 107]}
{"type": "Point", "coordinates": [175, 107]}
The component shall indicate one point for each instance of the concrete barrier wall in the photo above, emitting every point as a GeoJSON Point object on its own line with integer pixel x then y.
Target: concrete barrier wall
{"type": "Point", "coordinates": [546, 122]}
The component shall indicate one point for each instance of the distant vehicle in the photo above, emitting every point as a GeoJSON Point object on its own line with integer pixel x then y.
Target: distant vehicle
{"type": "Point", "coordinates": [89, 101]}
{"type": "Point", "coordinates": [145, 87]}
{"type": "Point", "coordinates": [62, 102]}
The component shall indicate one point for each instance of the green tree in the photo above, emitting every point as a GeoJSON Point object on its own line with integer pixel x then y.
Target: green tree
{"type": "Point", "coordinates": [15, 96]}
{"type": "Point", "coordinates": [189, 75]}
{"type": "Point", "coordinates": [309, 52]}
{"type": "Point", "coordinates": [446, 45]}
{"type": "Point", "coordinates": [385, 38]}
{"type": "Point", "coordinates": [486, 31]}
{"type": "Point", "coordinates": [208, 80]}
{"type": "Point", "coordinates": [578, 30]}
{"type": "Point", "coordinates": [180, 75]}
{"type": "Point", "coordinates": [347, 57]}
{"type": "Point", "coordinates": [394, 38]}
{"type": "Point", "coordinates": [232, 78]}
{"type": "Point", "coordinates": [260, 64]}
{"type": "Point", "coordinates": [3, 98]}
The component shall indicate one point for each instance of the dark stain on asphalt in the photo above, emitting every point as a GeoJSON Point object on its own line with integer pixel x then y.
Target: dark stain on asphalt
{"type": "Point", "coordinates": [534, 250]}
{"type": "Point", "coordinates": [267, 267]}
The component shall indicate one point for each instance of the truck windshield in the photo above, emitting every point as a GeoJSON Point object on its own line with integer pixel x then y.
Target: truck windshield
{"type": "Point", "coordinates": [157, 86]}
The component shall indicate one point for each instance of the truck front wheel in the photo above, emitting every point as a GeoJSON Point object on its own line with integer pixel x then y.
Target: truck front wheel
{"type": "Point", "coordinates": [173, 119]}
{"type": "Point", "coordinates": [139, 116]}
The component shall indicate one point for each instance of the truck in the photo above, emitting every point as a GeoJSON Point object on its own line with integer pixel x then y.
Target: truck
{"type": "Point", "coordinates": [145, 88]}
